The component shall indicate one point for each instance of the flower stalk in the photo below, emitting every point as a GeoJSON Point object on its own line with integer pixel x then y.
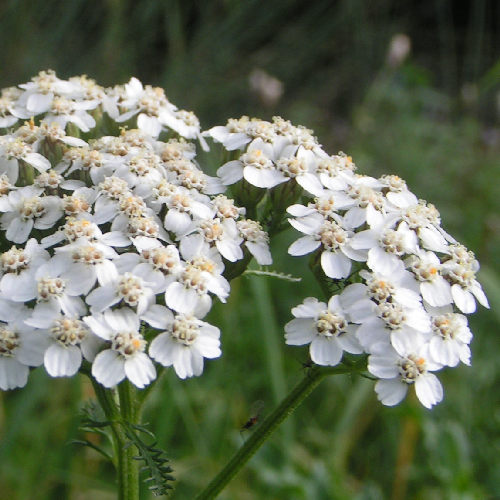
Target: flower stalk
{"type": "Point", "coordinates": [118, 411]}
{"type": "Point", "coordinates": [264, 430]}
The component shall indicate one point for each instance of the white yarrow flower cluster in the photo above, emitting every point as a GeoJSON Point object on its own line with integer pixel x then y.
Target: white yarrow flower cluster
{"type": "Point", "coordinates": [405, 283]}
{"type": "Point", "coordinates": [113, 249]}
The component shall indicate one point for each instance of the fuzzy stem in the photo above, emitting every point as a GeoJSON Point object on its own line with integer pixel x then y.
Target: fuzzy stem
{"type": "Point", "coordinates": [116, 414]}
{"type": "Point", "coordinates": [128, 469]}
{"type": "Point", "coordinates": [314, 376]}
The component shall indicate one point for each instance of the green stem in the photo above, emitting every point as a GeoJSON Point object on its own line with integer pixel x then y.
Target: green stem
{"type": "Point", "coordinates": [126, 411]}
{"type": "Point", "coordinates": [314, 376]}
{"type": "Point", "coordinates": [128, 468]}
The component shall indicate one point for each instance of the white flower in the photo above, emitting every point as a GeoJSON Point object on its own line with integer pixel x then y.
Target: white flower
{"type": "Point", "coordinates": [221, 234]}
{"type": "Point", "coordinates": [398, 287]}
{"type": "Point", "coordinates": [388, 309]}
{"type": "Point", "coordinates": [190, 293]}
{"type": "Point", "coordinates": [149, 103]}
{"type": "Point", "coordinates": [18, 267]}
{"type": "Point", "coordinates": [126, 357]}
{"type": "Point", "coordinates": [184, 343]}
{"type": "Point", "coordinates": [232, 136]}
{"type": "Point", "coordinates": [435, 290]}
{"type": "Point", "coordinates": [336, 172]}
{"type": "Point", "coordinates": [63, 111]}
{"type": "Point", "coordinates": [326, 206]}
{"type": "Point", "coordinates": [185, 123]}
{"type": "Point", "coordinates": [386, 247]}
{"type": "Point", "coordinates": [25, 209]}
{"type": "Point", "coordinates": [20, 347]}
{"type": "Point", "coordinates": [127, 289]}
{"type": "Point", "coordinates": [157, 266]}
{"type": "Point", "coordinates": [461, 271]}
{"type": "Point", "coordinates": [370, 205]}
{"type": "Point", "coordinates": [451, 337]}
{"type": "Point", "coordinates": [399, 370]}
{"type": "Point", "coordinates": [424, 219]}
{"type": "Point", "coordinates": [14, 150]}
{"type": "Point", "coordinates": [335, 243]}
{"type": "Point", "coordinates": [83, 263]}
{"type": "Point", "coordinates": [53, 295]}
{"type": "Point", "coordinates": [85, 159]}
{"type": "Point", "coordinates": [326, 328]}
{"type": "Point", "coordinates": [40, 92]}
{"type": "Point", "coordinates": [256, 240]}
{"type": "Point", "coordinates": [182, 211]}
{"type": "Point", "coordinates": [256, 166]}
{"type": "Point", "coordinates": [8, 99]}
{"type": "Point", "coordinates": [68, 339]}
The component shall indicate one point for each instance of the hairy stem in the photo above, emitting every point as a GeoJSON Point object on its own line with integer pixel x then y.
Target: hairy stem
{"type": "Point", "coordinates": [314, 376]}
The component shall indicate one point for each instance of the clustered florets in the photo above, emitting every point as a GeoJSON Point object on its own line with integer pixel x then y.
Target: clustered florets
{"type": "Point", "coordinates": [116, 245]}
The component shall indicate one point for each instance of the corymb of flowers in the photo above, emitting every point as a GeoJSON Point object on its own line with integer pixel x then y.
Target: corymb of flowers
{"type": "Point", "coordinates": [115, 243]}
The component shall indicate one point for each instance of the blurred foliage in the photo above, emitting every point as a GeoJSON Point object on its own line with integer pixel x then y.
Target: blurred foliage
{"type": "Point", "coordinates": [432, 119]}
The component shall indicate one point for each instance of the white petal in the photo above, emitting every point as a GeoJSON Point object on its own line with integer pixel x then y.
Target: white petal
{"type": "Point", "coordinates": [38, 161]}
{"type": "Point", "coordinates": [183, 365]}
{"type": "Point", "coordinates": [261, 253]}
{"type": "Point", "coordinates": [231, 172]}
{"type": "Point", "coordinates": [335, 265]}
{"type": "Point", "coordinates": [208, 347]}
{"type": "Point", "coordinates": [355, 217]}
{"type": "Point", "coordinates": [230, 249]}
{"type": "Point", "coordinates": [177, 222]}
{"type": "Point", "coordinates": [391, 392]}
{"type": "Point", "coordinates": [102, 298]}
{"type": "Point", "coordinates": [19, 230]}
{"type": "Point", "coordinates": [263, 177]}
{"type": "Point", "coordinates": [303, 246]}
{"type": "Point", "coordinates": [432, 239]}
{"type": "Point", "coordinates": [444, 351]}
{"type": "Point", "coordinates": [140, 370]}
{"type": "Point", "coordinates": [39, 103]}
{"type": "Point", "coordinates": [352, 294]}
{"type": "Point", "coordinates": [300, 331]}
{"type": "Point", "coordinates": [382, 262]}
{"type": "Point", "coordinates": [310, 308]}
{"type": "Point", "coordinates": [164, 349]}
{"type": "Point", "coordinates": [99, 326]}
{"type": "Point", "coordinates": [158, 317]}
{"type": "Point", "coordinates": [325, 351]}
{"type": "Point", "coordinates": [350, 344]}
{"type": "Point", "coordinates": [437, 293]}
{"type": "Point", "coordinates": [108, 368]}
{"type": "Point", "coordinates": [477, 291]}
{"type": "Point", "coordinates": [180, 298]}
{"type": "Point", "coordinates": [123, 319]}
{"type": "Point", "coordinates": [81, 278]}
{"type": "Point", "coordinates": [149, 124]}
{"type": "Point", "coordinates": [12, 373]}
{"type": "Point", "coordinates": [463, 299]}
{"type": "Point", "coordinates": [311, 184]}
{"type": "Point", "coordinates": [72, 306]}
{"type": "Point", "coordinates": [429, 390]}
{"type": "Point", "coordinates": [236, 141]}
{"type": "Point", "coordinates": [106, 272]}
{"type": "Point", "coordinates": [62, 361]}
{"type": "Point", "coordinates": [90, 346]}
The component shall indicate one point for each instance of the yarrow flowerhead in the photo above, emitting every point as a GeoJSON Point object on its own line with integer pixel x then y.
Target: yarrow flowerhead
{"type": "Point", "coordinates": [115, 247]}
{"type": "Point", "coordinates": [98, 233]}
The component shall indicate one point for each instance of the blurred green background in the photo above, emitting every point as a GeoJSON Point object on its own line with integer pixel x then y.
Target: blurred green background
{"type": "Point", "coordinates": [429, 114]}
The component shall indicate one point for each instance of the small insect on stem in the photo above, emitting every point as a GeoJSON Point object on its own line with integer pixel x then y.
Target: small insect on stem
{"type": "Point", "coordinates": [306, 365]}
{"type": "Point", "coordinates": [253, 419]}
